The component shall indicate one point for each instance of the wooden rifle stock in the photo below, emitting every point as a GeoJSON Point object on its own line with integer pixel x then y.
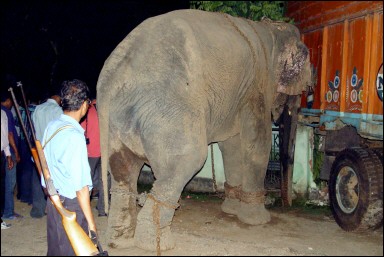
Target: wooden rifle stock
{"type": "Point", "coordinates": [80, 241]}
{"type": "Point", "coordinates": [36, 159]}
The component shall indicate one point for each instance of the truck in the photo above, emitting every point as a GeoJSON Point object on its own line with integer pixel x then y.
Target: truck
{"type": "Point", "coordinates": [344, 104]}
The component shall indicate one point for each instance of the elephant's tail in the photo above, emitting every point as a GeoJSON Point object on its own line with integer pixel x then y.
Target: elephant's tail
{"type": "Point", "coordinates": [103, 102]}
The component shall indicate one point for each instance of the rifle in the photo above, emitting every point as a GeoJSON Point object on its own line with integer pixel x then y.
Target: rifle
{"type": "Point", "coordinates": [33, 149]}
{"type": "Point", "coordinates": [80, 241]}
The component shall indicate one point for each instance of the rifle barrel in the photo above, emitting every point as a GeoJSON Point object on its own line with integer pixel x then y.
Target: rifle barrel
{"type": "Point", "coordinates": [19, 84]}
{"type": "Point", "coordinates": [33, 150]}
{"type": "Point", "coordinates": [19, 115]}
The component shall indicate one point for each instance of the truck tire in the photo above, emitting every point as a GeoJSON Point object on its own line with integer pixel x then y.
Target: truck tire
{"type": "Point", "coordinates": [379, 154]}
{"type": "Point", "coordinates": [355, 190]}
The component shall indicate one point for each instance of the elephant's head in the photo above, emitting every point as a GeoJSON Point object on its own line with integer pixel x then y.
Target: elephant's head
{"type": "Point", "coordinates": [293, 72]}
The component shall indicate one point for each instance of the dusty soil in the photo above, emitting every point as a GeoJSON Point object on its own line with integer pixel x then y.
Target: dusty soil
{"type": "Point", "coordinates": [202, 229]}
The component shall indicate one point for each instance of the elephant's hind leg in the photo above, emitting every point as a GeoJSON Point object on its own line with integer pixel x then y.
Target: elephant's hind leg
{"type": "Point", "coordinates": [125, 169]}
{"type": "Point", "coordinates": [172, 168]}
{"type": "Point", "coordinates": [233, 164]}
{"type": "Point", "coordinates": [153, 231]}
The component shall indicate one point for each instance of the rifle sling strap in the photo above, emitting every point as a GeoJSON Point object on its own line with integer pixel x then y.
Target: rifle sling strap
{"type": "Point", "coordinates": [57, 131]}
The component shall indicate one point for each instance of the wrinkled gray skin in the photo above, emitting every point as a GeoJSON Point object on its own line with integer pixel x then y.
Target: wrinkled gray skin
{"type": "Point", "coordinates": [179, 82]}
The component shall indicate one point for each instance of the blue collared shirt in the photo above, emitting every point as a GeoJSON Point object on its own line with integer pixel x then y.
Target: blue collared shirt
{"type": "Point", "coordinates": [67, 157]}
{"type": "Point", "coordinates": [43, 114]}
{"type": "Point", "coordinates": [23, 114]}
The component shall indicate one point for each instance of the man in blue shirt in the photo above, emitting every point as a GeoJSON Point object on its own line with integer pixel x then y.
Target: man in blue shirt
{"type": "Point", "coordinates": [10, 174]}
{"type": "Point", "coordinates": [66, 154]}
{"type": "Point", "coordinates": [44, 113]}
{"type": "Point", "coordinates": [41, 116]}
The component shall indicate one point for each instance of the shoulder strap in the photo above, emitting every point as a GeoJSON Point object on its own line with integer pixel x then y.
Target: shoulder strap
{"type": "Point", "coordinates": [57, 131]}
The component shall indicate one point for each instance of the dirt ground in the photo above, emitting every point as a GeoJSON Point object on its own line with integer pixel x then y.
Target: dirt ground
{"type": "Point", "coordinates": [201, 228]}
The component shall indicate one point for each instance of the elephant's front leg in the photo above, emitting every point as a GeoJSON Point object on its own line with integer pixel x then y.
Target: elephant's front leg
{"type": "Point", "coordinates": [255, 136]}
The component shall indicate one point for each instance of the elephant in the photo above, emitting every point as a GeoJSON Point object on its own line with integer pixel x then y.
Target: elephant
{"type": "Point", "coordinates": [179, 82]}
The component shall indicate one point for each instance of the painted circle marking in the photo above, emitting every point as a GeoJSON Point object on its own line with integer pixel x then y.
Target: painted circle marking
{"type": "Point", "coordinates": [379, 83]}
{"type": "Point", "coordinates": [353, 96]}
{"type": "Point", "coordinates": [360, 96]}
{"type": "Point", "coordinates": [336, 81]}
{"type": "Point", "coordinates": [336, 96]}
{"type": "Point", "coordinates": [354, 80]}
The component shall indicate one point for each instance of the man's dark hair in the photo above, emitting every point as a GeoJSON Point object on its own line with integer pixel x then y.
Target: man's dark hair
{"type": "Point", "coordinates": [73, 94]}
{"type": "Point", "coordinates": [4, 94]}
{"type": "Point", "coordinates": [7, 81]}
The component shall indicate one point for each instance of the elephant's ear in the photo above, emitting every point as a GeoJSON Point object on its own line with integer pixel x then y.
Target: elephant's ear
{"type": "Point", "coordinates": [293, 71]}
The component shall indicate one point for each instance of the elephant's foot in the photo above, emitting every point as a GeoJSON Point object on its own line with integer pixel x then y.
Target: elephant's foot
{"type": "Point", "coordinates": [253, 214]}
{"type": "Point", "coordinates": [122, 216]}
{"type": "Point", "coordinates": [231, 203]}
{"type": "Point", "coordinates": [153, 225]}
{"type": "Point", "coordinates": [252, 209]}
{"type": "Point", "coordinates": [230, 206]}
{"type": "Point", "coordinates": [147, 239]}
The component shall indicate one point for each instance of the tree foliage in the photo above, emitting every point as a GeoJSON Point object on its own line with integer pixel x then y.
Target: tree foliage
{"type": "Point", "coordinates": [253, 10]}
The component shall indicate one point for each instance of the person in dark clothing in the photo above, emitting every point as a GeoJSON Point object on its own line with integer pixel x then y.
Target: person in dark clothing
{"type": "Point", "coordinates": [10, 174]}
{"type": "Point", "coordinates": [5, 158]}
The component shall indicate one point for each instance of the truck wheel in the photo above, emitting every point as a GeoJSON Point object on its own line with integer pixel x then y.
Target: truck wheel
{"type": "Point", "coordinates": [354, 190]}
{"type": "Point", "coordinates": [379, 154]}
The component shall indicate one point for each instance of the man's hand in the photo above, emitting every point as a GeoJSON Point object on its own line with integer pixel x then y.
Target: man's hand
{"type": "Point", "coordinates": [93, 237]}
{"type": "Point", "coordinates": [10, 162]}
{"type": "Point", "coordinates": [17, 156]}
{"type": "Point", "coordinates": [13, 145]}
{"type": "Point", "coordinates": [85, 205]}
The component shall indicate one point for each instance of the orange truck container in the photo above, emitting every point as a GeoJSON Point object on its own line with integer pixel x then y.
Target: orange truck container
{"type": "Point", "coordinates": [345, 103]}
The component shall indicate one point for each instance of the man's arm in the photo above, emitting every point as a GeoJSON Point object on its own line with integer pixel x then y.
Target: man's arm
{"type": "Point", "coordinates": [13, 145]}
{"type": "Point", "coordinates": [7, 153]}
{"type": "Point", "coordinates": [5, 140]}
{"type": "Point", "coordinates": [84, 200]}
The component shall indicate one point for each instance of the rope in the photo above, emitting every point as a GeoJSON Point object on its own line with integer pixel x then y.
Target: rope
{"type": "Point", "coordinates": [213, 170]}
{"type": "Point", "coordinates": [243, 35]}
{"type": "Point", "coordinates": [156, 218]}
{"type": "Point", "coordinates": [232, 192]}
{"type": "Point", "coordinates": [261, 43]}
{"type": "Point", "coordinates": [248, 41]}
{"type": "Point", "coordinates": [164, 204]}
{"type": "Point", "coordinates": [253, 197]}
{"type": "Point", "coordinates": [123, 192]}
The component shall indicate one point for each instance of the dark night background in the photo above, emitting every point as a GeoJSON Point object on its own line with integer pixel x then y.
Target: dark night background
{"type": "Point", "coordinates": [83, 33]}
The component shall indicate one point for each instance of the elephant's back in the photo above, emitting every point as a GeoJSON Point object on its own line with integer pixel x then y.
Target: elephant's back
{"type": "Point", "coordinates": [176, 49]}
{"type": "Point", "coordinates": [183, 63]}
